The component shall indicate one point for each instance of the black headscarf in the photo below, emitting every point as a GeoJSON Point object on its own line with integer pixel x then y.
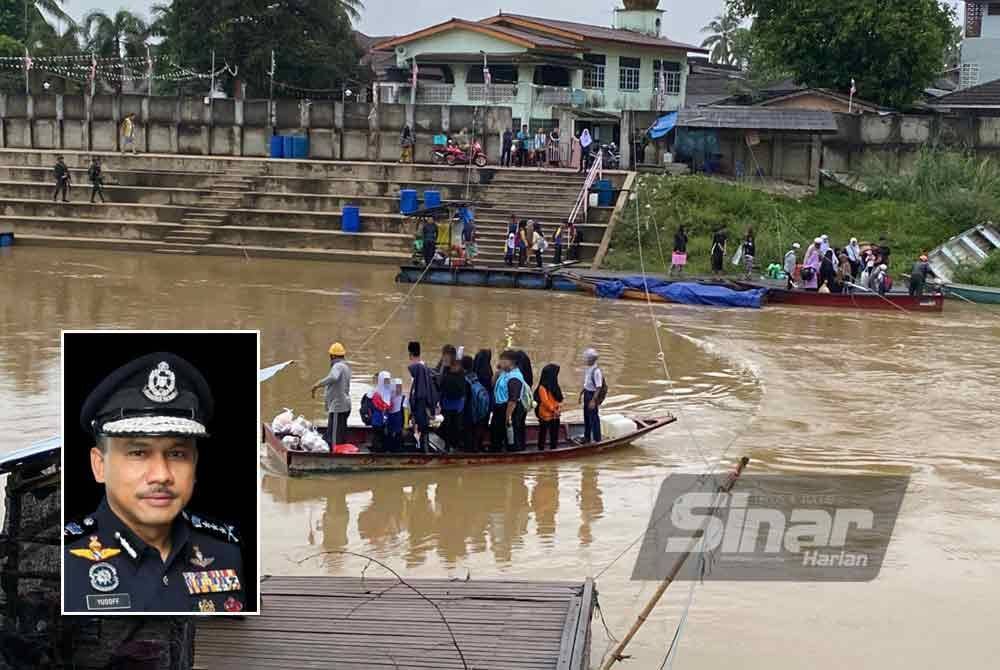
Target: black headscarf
{"type": "Point", "coordinates": [483, 367]}
{"type": "Point", "coordinates": [524, 365]}
{"type": "Point", "coordinates": [550, 380]}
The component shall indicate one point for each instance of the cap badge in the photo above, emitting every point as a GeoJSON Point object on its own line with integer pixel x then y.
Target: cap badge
{"type": "Point", "coordinates": [162, 385]}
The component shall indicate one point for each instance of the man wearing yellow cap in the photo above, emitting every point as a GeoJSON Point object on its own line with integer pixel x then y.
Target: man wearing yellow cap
{"type": "Point", "coordinates": [338, 394]}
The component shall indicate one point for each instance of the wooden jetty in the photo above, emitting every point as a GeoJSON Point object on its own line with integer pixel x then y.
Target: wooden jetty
{"type": "Point", "coordinates": [342, 623]}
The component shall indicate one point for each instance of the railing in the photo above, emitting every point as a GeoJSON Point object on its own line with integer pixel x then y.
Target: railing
{"type": "Point", "coordinates": [555, 95]}
{"type": "Point", "coordinates": [582, 201]}
{"type": "Point", "coordinates": [492, 94]}
{"type": "Point", "coordinates": [434, 94]}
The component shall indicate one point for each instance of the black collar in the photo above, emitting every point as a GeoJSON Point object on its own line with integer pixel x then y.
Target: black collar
{"type": "Point", "coordinates": [120, 536]}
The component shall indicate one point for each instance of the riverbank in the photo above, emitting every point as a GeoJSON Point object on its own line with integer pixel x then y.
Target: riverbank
{"type": "Point", "coordinates": [701, 204]}
{"type": "Point", "coordinates": [987, 274]}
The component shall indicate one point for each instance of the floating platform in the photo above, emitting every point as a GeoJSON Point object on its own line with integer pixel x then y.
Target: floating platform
{"type": "Point", "coordinates": [496, 277]}
{"type": "Point", "coordinates": [344, 623]}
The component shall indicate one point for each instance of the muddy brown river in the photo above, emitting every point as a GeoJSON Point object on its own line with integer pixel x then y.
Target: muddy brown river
{"type": "Point", "coordinates": [795, 390]}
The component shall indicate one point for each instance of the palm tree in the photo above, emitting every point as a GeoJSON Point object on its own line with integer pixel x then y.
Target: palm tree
{"type": "Point", "coordinates": [121, 36]}
{"type": "Point", "coordinates": [720, 41]}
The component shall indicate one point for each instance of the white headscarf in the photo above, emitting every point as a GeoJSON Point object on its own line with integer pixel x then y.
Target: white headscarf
{"type": "Point", "coordinates": [585, 139]}
{"type": "Point", "coordinates": [854, 250]}
{"type": "Point", "coordinates": [384, 387]}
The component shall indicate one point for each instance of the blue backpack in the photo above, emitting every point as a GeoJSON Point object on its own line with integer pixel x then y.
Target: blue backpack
{"type": "Point", "coordinates": [480, 405]}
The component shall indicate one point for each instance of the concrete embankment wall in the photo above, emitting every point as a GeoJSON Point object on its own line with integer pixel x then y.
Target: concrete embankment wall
{"type": "Point", "coordinates": [198, 126]}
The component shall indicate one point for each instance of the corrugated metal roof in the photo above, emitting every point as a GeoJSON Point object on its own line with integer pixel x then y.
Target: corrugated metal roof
{"type": "Point", "coordinates": [607, 34]}
{"type": "Point", "coordinates": [756, 118]}
{"type": "Point", "coordinates": [984, 95]}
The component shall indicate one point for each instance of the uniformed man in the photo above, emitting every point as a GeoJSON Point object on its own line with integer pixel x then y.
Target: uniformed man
{"type": "Point", "coordinates": [141, 551]}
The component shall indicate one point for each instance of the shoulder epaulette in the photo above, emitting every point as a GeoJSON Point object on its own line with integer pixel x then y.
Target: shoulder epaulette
{"type": "Point", "coordinates": [223, 531]}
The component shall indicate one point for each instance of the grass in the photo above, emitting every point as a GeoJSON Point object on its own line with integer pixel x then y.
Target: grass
{"type": "Point", "coordinates": [945, 194]}
{"type": "Point", "coordinates": [987, 274]}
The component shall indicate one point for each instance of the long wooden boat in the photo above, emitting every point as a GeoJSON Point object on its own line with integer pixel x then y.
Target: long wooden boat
{"type": "Point", "coordinates": [857, 300]}
{"type": "Point", "coordinates": [298, 463]}
{"type": "Point", "coordinates": [589, 285]}
{"type": "Point", "coordinates": [981, 294]}
{"type": "Point", "coordinates": [496, 277]}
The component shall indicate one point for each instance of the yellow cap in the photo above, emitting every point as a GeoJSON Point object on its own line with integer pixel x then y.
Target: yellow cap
{"type": "Point", "coordinates": [337, 349]}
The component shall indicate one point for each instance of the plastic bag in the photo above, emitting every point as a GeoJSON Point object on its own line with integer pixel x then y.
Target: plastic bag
{"type": "Point", "coordinates": [300, 426]}
{"type": "Point", "coordinates": [282, 422]}
{"type": "Point", "coordinates": [738, 256]}
{"type": "Point", "coordinates": [313, 441]}
{"type": "Point", "coordinates": [345, 449]}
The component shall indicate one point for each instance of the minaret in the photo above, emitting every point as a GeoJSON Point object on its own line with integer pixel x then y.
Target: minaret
{"type": "Point", "coordinates": [641, 16]}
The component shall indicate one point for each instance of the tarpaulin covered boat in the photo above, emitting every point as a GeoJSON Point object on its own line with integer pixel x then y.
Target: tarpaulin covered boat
{"type": "Point", "coordinates": [681, 292]}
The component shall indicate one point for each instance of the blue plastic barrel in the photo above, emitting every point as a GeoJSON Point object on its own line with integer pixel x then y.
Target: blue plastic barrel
{"type": "Point", "coordinates": [409, 201]}
{"type": "Point", "coordinates": [300, 146]}
{"type": "Point", "coordinates": [6, 239]}
{"type": "Point", "coordinates": [605, 193]}
{"type": "Point", "coordinates": [277, 146]}
{"type": "Point", "coordinates": [432, 199]}
{"type": "Point", "coordinates": [351, 219]}
{"type": "Point", "coordinates": [288, 147]}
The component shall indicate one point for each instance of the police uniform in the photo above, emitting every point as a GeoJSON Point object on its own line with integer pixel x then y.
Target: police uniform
{"type": "Point", "coordinates": [107, 567]}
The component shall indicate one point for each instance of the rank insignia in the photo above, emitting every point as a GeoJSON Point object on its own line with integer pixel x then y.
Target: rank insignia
{"type": "Point", "coordinates": [206, 605]}
{"type": "Point", "coordinates": [103, 577]}
{"type": "Point", "coordinates": [233, 605]}
{"type": "Point", "coordinates": [212, 581]}
{"type": "Point", "coordinates": [95, 551]}
{"type": "Point", "coordinates": [200, 559]}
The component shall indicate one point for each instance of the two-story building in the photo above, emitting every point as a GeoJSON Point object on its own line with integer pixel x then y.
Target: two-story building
{"type": "Point", "coordinates": [549, 72]}
{"type": "Point", "coordinates": [981, 45]}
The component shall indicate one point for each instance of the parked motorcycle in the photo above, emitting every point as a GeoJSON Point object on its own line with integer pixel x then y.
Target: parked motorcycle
{"type": "Point", "coordinates": [440, 153]}
{"type": "Point", "coordinates": [612, 159]}
{"type": "Point", "coordinates": [455, 156]}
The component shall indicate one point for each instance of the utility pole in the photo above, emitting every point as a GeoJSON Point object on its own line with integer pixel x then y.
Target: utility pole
{"type": "Point", "coordinates": [211, 90]}
{"type": "Point", "coordinates": [270, 94]}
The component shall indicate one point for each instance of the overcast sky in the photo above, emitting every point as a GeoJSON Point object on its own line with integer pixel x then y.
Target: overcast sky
{"type": "Point", "coordinates": [683, 20]}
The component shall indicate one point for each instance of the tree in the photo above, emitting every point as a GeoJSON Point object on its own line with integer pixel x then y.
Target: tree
{"type": "Point", "coordinates": [312, 40]}
{"type": "Point", "coordinates": [722, 29]}
{"type": "Point", "coordinates": [121, 36]}
{"type": "Point", "coordinates": [14, 12]}
{"type": "Point", "coordinates": [892, 48]}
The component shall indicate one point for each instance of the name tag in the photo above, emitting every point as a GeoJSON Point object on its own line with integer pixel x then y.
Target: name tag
{"type": "Point", "coordinates": [115, 601]}
{"type": "Point", "coordinates": [212, 581]}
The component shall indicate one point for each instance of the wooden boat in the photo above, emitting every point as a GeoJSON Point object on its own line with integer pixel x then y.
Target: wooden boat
{"type": "Point", "coordinates": [297, 463]}
{"type": "Point", "coordinates": [988, 295]}
{"type": "Point", "coordinates": [857, 300]}
{"type": "Point", "coordinates": [589, 285]}
{"type": "Point", "coordinates": [496, 277]}
{"type": "Point", "coordinates": [970, 248]}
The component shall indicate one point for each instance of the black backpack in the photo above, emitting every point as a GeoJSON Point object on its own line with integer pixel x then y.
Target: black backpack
{"type": "Point", "coordinates": [366, 410]}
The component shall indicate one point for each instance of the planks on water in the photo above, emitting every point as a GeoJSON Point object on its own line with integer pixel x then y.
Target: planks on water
{"type": "Point", "coordinates": [346, 622]}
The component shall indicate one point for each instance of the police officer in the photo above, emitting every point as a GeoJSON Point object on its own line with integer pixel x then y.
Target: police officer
{"type": "Point", "coordinates": [141, 551]}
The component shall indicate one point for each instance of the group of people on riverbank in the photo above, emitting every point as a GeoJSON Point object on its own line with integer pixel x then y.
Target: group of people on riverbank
{"type": "Point", "coordinates": [482, 407]}
{"type": "Point", "coordinates": [528, 234]}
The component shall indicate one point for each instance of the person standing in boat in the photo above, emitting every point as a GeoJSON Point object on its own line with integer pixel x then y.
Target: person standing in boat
{"type": "Point", "coordinates": [592, 395]}
{"type": "Point", "coordinates": [395, 419]}
{"type": "Point", "coordinates": [557, 242]}
{"type": "Point", "coordinates": [679, 258]}
{"type": "Point", "coordinates": [548, 399]}
{"type": "Point", "coordinates": [791, 262]}
{"type": "Point", "coordinates": [507, 427]}
{"type": "Point", "coordinates": [573, 239]}
{"type": "Point", "coordinates": [453, 396]}
{"type": "Point", "coordinates": [853, 250]}
{"type": "Point", "coordinates": [810, 266]}
{"type": "Point", "coordinates": [538, 244]}
{"type": "Point", "coordinates": [827, 275]}
{"type": "Point", "coordinates": [337, 383]}
{"type": "Point", "coordinates": [428, 236]}
{"type": "Point", "coordinates": [718, 250]}
{"type": "Point", "coordinates": [918, 275]}
{"type": "Point", "coordinates": [423, 395]}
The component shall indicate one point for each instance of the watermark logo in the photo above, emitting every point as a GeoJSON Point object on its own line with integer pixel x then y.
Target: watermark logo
{"type": "Point", "coordinates": [771, 528]}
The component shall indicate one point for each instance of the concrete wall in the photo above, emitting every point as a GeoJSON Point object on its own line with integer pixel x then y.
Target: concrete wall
{"type": "Point", "coordinates": [336, 131]}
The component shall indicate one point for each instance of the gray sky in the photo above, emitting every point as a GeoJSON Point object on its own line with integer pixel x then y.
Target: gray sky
{"type": "Point", "coordinates": [683, 20]}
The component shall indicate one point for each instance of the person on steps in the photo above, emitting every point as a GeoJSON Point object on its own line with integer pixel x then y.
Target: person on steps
{"type": "Point", "coordinates": [128, 133]}
{"type": "Point", "coordinates": [406, 145]}
{"type": "Point", "coordinates": [506, 145]}
{"type": "Point", "coordinates": [538, 244]}
{"type": "Point", "coordinates": [548, 397]}
{"type": "Point", "coordinates": [63, 180]}
{"type": "Point", "coordinates": [96, 180]}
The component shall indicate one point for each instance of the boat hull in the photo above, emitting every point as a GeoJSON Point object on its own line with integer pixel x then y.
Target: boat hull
{"type": "Point", "coordinates": [478, 276]}
{"type": "Point", "coordinates": [893, 301]}
{"type": "Point", "coordinates": [979, 294]}
{"type": "Point", "coordinates": [300, 463]}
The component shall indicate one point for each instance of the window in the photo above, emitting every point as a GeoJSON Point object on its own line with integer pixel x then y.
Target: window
{"type": "Point", "coordinates": [628, 74]}
{"type": "Point", "coordinates": [969, 75]}
{"type": "Point", "coordinates": [671, 71]}
{"type": "Point", "coordinates": [593, 77]}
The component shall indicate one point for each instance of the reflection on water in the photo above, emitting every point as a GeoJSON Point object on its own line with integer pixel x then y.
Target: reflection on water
{"type": "Point", "coordinates": [798, 391]}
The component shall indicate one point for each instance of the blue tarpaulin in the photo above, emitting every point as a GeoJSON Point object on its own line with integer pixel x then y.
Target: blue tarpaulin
{"type": "Point", "coordinates": [686, 293]}
{"type": "Point", "coordinates": [663, 125]}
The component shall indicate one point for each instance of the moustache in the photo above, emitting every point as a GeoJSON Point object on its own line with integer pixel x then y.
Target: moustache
{"type": "Point", "coordinates": [158, 493]}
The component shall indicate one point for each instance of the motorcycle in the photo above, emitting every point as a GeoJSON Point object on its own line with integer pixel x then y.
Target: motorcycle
{"type": "Point", "coordinates": [612, 159]}
{"type": "Point", "coordinates": [440, 153]}
{"type": "Point", "coordinates": [455, 156]}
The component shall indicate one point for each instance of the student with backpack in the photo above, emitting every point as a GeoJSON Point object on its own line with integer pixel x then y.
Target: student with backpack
{"type": "Point", "coordinates": [548, 399]}
{"type": "Point", "coordinates": [512, 399]}
{"type": "Point", "coordinates": [595, 389]}
{"type": "Point", "coordinates": [477, 407]}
